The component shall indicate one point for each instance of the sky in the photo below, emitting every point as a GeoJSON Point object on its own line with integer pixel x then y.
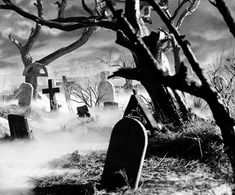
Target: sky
{"type": "Point", "coordinates": [204, 29]}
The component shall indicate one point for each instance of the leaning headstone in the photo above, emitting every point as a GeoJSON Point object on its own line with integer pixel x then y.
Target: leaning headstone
{"type": "Point", "coordinates": [18, 126]}
{"type": "Point", "coordinates": [137, 108]}
{"type": "Point", "coordinates": [25, 94]}
{"type": "Point", "coordinates": [83, 111]}
{"type": "Point", "coordinates": [125, 154]}
{"type": "Point", "coordinates": [105, 89]}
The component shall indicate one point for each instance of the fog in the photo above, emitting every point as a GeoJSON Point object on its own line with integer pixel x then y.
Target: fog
{"type": "Point", "coordinates": [54, 135]}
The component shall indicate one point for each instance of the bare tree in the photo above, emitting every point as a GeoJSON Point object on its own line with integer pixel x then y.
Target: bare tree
{"type": "Point", "coordinates": [25, 49]}
{"type": "Point", "coordinates": [132, 34]}
{"type": "Point", "coordinates": [85, 93]}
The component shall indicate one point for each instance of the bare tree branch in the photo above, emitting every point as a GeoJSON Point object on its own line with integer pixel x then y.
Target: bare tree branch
{"type": "Point", "coordinates": [53, 24]}
{"type": "Point", "coordinates": [34, 31]}
{"type": "Point", "coordinates": [188, 11]}
{"type": "Point", "coordinates": [183, 43]}
{"type": "Point", "coordinates": [88, 10]}
{"type": "Point", "coordinates": [128, 73]}
{"type": "Point", "coordinates": [64, 50]}
{"type": "Point", "coordinates": [178, 9]}
{"type": "Point", "coordinates": [223, 9]}
{"type": "Point", "coordinates": [15, 41]}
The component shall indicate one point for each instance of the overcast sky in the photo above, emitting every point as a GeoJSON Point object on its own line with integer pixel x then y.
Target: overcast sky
{"type": "Point", "coordinates": [205, 29]}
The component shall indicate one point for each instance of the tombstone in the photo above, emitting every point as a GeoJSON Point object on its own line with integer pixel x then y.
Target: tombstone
{"type": "Point", "coordinates": [65, 83]}
{"type": "Point", "coordinates": [18, 126]}
{"type": "Point", "coordinates": [105, 89]}
{"type": "Point", "coordinates": [110, 105]}
{"type": "Point", "coordinates": [128, 86]}
{"type": "Point", "coordinates": [83, 111]}
{"type": "Point", "coordinates": [136, 108]}
{"type": "Point", "coordinates": [125, 156]}
{"type": "Point", "coordinates": [51, 91]}
{"type": "Point", "coordinates": [25, 94]}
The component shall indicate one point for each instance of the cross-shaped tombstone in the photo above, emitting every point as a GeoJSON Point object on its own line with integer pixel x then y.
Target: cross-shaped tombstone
{"type": "Point", "coordinates": [51, 91]}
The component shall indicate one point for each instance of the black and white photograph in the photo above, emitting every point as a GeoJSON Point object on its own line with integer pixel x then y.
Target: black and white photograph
{"type": "Point", "coordinates": [117, 97]}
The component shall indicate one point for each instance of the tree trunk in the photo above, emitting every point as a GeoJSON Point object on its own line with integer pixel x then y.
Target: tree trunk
{"type": "Point", "coordinates": [226, 124]}
{"type": "Point", "coordinates": [33, 80]}
{"type": "Point", "coordinates": [168, 109]}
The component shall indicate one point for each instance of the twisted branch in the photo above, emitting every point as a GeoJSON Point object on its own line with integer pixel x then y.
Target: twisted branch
{"type": "Point", "coordinates": [34, 31]}
{"type": "Point", "coordinates": [223, 9]}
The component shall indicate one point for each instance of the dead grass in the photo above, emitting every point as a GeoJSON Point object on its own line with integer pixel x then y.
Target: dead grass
{"type": "Point", "coordinates": [14, 109]}
{"type": "Point", "coordinates": [188, 162]}
{"type": "Point", "coordinates": [198, 139]}
{"type": "Point", "coordinates": [159, 176]}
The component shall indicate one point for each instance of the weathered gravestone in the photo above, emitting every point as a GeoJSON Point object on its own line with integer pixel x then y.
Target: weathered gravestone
{"type": "Point", "coordinates": [65, 83]}
{"type": "Point", "coordinates": [18, 126]}
{"type": "Point", "coordinates": [128, 86]}
{"type": "Point", "coordinates": [83, 111]}
{"type": "Point", "coordinates": [136, 108]}
{"type": "Point", "coordinates": [105, 89]}
{"type": "Point", "coordinates": [25, 94]}
{"type": "Point", "coordinates": [51, 91]}
{"type": "Point", "coordinates": [125, 154]}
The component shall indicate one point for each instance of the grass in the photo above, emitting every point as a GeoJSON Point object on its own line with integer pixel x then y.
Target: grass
{"type": "Point", "coordinates": [191, 161]}
{"type": "Point", "coordinates": [14, 109]}
{"type": "Point", "coordinates": [198, 139]}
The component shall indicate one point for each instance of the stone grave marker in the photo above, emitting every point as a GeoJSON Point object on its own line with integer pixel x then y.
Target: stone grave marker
{"type": "Point", "coordinates": [51, 91]}
{"type": "Point", "coordinates": [18, 126]}
{"type": "Point", "coordinates": [105, 89]}
{"type": "Point", "coordinates": [25, 94]}
{"type": "Point", "coordinates": [65, 83]}
{"type": "Point", "coordinates": [83, 111]}
{"type": "Point", "coordinates": [128, 86]}
{"type": "Point", "coordinates": [136, 108]}
{"type": "Point", "coordinates": [125, 156]}
{"type": "Point", "coordinates": [110, 105]}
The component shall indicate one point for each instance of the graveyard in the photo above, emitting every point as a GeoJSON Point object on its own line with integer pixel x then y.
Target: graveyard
{"type": "Point", "coordinates": [70, 155]}
{"type": "Point", "coordinates": [117, 97]}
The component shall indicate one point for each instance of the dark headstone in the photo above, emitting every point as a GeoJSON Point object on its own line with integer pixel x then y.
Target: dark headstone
{"type": "Point", "coordinates": [83, 111]}
{"type": "Point", "coordinates": [138, 109]}
{"type": "Point", "coordinates": [111, 105]}
{"type": "Point", "coordinates": [18, 126]}
{"type": "Point", "coordinates": [125, 154]}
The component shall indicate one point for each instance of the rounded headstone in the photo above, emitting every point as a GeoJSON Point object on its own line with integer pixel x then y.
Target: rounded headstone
{"type": "Point", "coordinates": [126, 153]}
